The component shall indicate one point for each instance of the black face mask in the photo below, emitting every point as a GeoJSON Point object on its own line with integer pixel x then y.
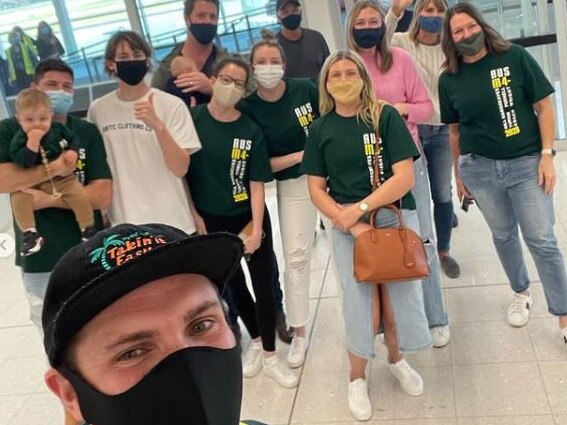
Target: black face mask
{"type": "Point", "coordinates": [292, 22]}
{"type": "Point", "coordinates": [196, 385]}
{"type": "Point", "coordinates": [203, 33]}
{"type": "Point", "coordinates": [368, 37]}
{"type": "Point", "coordinates": [132, 72]}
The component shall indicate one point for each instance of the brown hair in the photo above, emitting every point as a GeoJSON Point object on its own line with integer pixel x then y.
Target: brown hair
{"type": "Point", "coordinates": [189, 5]}
{"type": "Point", "coordinates": [32, 99]}
{"type": "Point", "coordinates": [268, 39]}
{"type": "Point", "coordinates": [494, 42]}
{"type": "Point", "coordinates": [414, 27]}
{"type": "Point", "coordinates": [382, 49]}
{"type": "Point", "coordinates": [136, 42]}
{"type": "Point", "coordinates": [233, 60]}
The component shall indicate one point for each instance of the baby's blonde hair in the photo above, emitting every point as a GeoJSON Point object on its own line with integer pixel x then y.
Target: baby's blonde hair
{"type": "Point", "coordinates": [32, 99]}
{"type": "Point", "coordinates": [181, 64]}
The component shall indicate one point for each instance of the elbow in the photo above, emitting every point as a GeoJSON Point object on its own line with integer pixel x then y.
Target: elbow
{"type": "Point", "coordinates": [105, 199]}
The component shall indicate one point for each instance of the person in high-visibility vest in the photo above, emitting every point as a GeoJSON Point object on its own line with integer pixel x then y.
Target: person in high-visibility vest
{"type": "Point", "coordinates": [21, 58]}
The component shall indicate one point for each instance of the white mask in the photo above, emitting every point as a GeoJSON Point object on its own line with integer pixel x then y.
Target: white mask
{"type": "Point", "coordinates": [227, 94]}
{"type": "Point", "coordinates": [268, 76]}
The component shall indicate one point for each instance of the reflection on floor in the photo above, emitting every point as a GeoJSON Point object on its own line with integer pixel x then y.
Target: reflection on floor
{"type": "Point", "coordinates": [490, 373]}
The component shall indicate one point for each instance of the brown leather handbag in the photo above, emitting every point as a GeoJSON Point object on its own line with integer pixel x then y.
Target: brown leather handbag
{"type": "Point", "coordinates": [388, 254]}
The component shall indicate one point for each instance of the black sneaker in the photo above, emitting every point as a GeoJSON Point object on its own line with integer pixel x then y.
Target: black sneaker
{"type": "Point", "coordinates": [285, 334]}
{"type": "Point", "coordinates": [31, 243]}
{"type": "Point", "coordinates": [89, 232]}
{"type": "Point", "coordinates": [450, 266]}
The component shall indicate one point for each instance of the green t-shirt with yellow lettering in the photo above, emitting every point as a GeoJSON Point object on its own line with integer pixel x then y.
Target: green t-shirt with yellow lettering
{"type": "Point", "coordinates": [492, 101]}
{"type": "Point", "coordinates": [342, 150]}
{"type": "Point", "coordinates": [285, 122]}
{"type": "Point", "coordinates": [232, 154]}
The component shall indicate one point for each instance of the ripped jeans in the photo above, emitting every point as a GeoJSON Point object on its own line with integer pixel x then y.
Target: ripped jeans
{"type": "Point", "coordinates": [432, 286]}
{"type": "Point", "coordinates": [298, 218]}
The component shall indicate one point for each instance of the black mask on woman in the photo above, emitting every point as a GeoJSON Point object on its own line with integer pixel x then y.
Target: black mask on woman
{"type": "Point", "coordinates": [204, 33]}
{"type": "Point", "coordinates": [132, 72]}
{"type": "Point", "coordinates": [368, 37]}
{"type": "Point", "coordinates": [196, 385]}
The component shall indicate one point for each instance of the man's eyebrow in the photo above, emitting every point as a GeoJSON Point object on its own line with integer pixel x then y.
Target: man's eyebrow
{"type": "Point", "coordinates": [130, 338]}
{"type": "Point", "coordinates": [201, 308]}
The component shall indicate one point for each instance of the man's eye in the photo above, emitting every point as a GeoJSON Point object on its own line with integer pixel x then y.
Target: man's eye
{"type": "Point", "coordinates": [202, 326]}
{"type": "Point", "coordinates": [130, 354]}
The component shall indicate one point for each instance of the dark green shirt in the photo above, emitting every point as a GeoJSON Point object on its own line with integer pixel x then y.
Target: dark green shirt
{"type": "Point", "coordinates": [285, 122]}
{"type": "Point", "coordinates": [232, 154]}
{"type": "Point", "coordinates": [59, 226]}
{"type": "Point", "coordinates": [55, 141]}
{"type": "Point", "coordinates": [342, 150]}
{"type": "Point", "coordinates": [492, 101]}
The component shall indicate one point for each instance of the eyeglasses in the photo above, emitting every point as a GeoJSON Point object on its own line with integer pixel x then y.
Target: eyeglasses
{"type": "Point", "coordinates": [227, 79]}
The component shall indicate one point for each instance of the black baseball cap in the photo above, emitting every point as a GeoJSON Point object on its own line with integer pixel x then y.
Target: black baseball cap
{"type": "Point", "coordinates": [96, 273]}
{"type": "Point", "coordinates": [282, 3]}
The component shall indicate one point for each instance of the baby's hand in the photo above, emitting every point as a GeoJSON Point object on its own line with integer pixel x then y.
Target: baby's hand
{"type": "Point", "coordinates": [70, 157]}
{"type": "Point", "coordinates": [36, 134]}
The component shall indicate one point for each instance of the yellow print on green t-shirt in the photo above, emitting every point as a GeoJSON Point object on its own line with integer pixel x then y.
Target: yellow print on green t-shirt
{"type": "Point", "coordinates": [239, 159]}
{"type": "Point", "coordinates": [501, 80]}
{"type": "Point", "coordinates": [305, 116]}
{"type": "Point", "coordinates": [369, 140]}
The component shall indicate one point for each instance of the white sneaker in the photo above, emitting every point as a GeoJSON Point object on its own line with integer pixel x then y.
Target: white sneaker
{"type": "Point", "coordinates": [358, 400]}
{"type": "Point", "coordinates": [519, 310]}
{"type": "Point", "coordinates": [409, 379]}
{"type": "Point", "coordinates": [252, 362]}
{"type": "Point", "coordinates": [280, 372]}
{"type": "Point", "coordinates": [440, 336]}
{"type": "Point", "coordinates": [297, 350]}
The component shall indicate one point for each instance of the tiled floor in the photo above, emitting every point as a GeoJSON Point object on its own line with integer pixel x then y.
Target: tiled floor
{"type": "Point", "coordinates": [490, 373]}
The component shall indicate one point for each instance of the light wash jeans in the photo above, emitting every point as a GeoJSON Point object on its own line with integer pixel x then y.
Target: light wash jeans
{"type": "Point", "coordinates": [435, 142]}
{"type": "Point", "coordinates": [508, 195]}
{"type": "Point", "coordinates": [406, 298]}
{"type": "Point", "coordinates": [432, 286]}
{"type": "Point", "coordinates": [35, 285]}
{"type": "Point", "coordinates": [298, 219]}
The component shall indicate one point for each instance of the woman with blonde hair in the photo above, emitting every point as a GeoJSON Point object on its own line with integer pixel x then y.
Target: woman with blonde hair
{"type": "Point", "coordinates": [338, 160]}
{"type": "Point", "coordinates": [423, 42]}
{"type": "Point", "coordinates": [397, 81]}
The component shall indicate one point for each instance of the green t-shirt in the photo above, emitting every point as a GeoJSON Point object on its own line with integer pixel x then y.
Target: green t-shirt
{"type": "Point", "coordinates": [59, 226]}
{"type": "Point", "coordinates": [232, 154]}
{"type": "Point", "coordinates": [342, 150]}
{"type": "Point", "coordinates": [57, 139]}
{"type": "Point", "coordinates": [285, 122]}
{"type": "Point", "coordinates": [492, 100]}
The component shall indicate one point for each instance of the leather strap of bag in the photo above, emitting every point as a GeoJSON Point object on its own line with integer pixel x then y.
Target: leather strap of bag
{"type": "Point", "coordinates": [378, 165]}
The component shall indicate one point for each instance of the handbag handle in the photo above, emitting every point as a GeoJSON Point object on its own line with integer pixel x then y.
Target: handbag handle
{"type": "Point", "coordinates": [390, 207]}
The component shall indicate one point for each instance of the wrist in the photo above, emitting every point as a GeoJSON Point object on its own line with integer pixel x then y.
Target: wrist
{"type": "Point", "coordinates": [548, 153]}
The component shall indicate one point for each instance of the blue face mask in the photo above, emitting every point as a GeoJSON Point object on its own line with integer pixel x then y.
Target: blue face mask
{"type": "Point", "coordinates": [433, 24]}
{"type": "Point", "coordinates": [61, 101]}
{"type": "Point", "coordinates": [368, 37]}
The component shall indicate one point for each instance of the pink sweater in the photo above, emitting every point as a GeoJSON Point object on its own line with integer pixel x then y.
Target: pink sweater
{"type": "Point", "coordinates": [401, 84]}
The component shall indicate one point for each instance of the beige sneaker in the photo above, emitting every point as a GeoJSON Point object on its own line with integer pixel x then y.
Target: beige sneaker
{"type": "Point", "coordinates": [297, 350]}
{"type": "Point", "coordinates": [519, 310]}
{"type": "Point", "coordinates": [358, 400]}
{"type": "Point", "coordinates": [408, 377]}
{"type": "Point", "coordinates": [440, 336]}
{"type": "Point", "coordinates": [280, 372]}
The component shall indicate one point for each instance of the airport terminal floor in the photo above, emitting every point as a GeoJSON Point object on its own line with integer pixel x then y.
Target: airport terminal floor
{"type": "Point", "coordinates": [490, 373]}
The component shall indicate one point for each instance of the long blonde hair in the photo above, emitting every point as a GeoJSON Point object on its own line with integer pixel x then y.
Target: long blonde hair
{"type": "Point", "coordinates": [382, 49]}
{"type": "Point", "coordinates": [370, 107]}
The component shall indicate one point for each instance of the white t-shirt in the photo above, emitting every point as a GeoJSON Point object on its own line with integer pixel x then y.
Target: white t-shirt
{"type": "Point", "coordinates": [144, 189]}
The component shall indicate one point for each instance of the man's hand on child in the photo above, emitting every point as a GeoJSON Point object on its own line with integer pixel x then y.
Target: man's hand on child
{"type": "Point", "coordinates": [70, 157]}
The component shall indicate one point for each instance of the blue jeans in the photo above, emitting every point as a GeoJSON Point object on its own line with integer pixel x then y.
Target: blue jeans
{"type": "Point", "coordinates": [435, 142]}
{"type": "Point", "coordinates": [35, 285]}
{"type": "Point", "coordinates": [432, 286]}
{"type": "Point", "coordinates": [406, 298]}
{"type": "Point", "coordinates": [508, 195]}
